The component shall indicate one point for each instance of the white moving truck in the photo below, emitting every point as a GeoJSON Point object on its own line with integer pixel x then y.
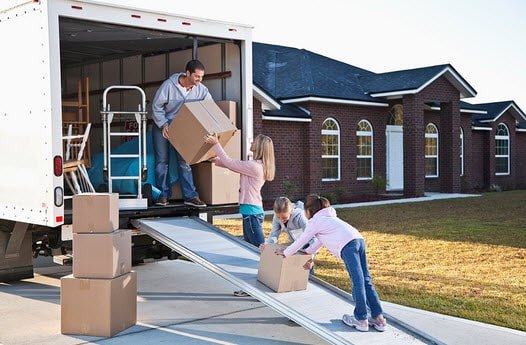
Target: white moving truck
{"type": "Point", "coordinates": [48, 46]}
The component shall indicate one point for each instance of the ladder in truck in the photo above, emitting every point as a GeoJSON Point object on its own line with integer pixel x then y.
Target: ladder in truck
{"type": "Point", "coordinates": [126, 201]}
{"type": "Point", "coordinates": [319, 308]}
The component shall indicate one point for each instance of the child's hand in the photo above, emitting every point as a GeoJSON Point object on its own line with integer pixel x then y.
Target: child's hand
{"type": "Point", "coordinates": [211, 139]}
{"type": "Point", "coordinates": [279, 251]}
{"type": "Point", "coordinates": [261, 247]}
{"type": "Point", "coordinates": [308, 265]}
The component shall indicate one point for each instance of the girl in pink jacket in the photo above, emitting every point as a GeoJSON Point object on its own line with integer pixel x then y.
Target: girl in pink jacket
{"type": "Point", "coordinates": [345, 242]}
{"type": "Point", "coordinates": [252, 175]}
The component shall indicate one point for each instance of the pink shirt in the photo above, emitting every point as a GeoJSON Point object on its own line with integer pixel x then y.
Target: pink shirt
{"type": "Point", "coordinates": [329, 230]}
{"type": "Point", "coordinates": [251, 176]}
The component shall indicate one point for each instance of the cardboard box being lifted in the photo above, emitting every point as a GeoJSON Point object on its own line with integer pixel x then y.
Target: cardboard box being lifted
{"type": "Point", "coordinates": [102, 255]}
{"type": "Point", "coordinates": [283, 274]}
{"type": "Point", "coordinates": [192, 123]}
{"type": "Point", "coordinates": [98, 307]}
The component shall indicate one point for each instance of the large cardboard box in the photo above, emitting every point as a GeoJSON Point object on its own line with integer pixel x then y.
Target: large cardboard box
{"type": "Point", "coordinates": [229, 108]}
{"type": "Point", "coordinates": [283, 274]}
{"type": "Point", "coordinates": [192, 123]}
{"type": "Point", "coordinates": [95, 212]}
{"type": "Point", "coordinates": [102, 255]}
{"type": "Point", "coordinates": [177, 193]}
{"type": "Point", "coordinates": [98, 307]}
{"type": "Point", "coordinates": [216, 185]}
{"type": "Point", "coordinates": [233, 147]}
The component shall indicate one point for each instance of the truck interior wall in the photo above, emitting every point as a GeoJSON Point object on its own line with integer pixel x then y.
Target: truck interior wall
{"type": "Point", "coordinates": [138, 69]}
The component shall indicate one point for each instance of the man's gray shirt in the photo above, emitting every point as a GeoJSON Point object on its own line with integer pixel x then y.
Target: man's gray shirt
{"type": "Point", "coordinates": [169, 99]}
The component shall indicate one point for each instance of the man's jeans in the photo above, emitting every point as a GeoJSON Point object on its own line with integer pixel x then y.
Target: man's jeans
{"type": "Point", "coordinates": [253, 229]}
{"type": "Point", "coordinates": [161, 148]}
{"type": "Point", "coordinates": [363, 292]}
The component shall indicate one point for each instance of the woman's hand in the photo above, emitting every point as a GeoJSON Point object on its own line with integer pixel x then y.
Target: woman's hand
{"type": "Point", "coordinates": [211, 139]}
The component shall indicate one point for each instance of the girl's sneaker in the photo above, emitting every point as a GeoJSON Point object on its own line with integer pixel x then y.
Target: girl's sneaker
{"type": "Point", "coordinates": [378, 323]}
{"type": "Point", "coordinates": [361, 325]}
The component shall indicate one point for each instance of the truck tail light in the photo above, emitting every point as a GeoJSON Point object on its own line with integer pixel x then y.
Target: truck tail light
{"type": "Point", "coordinates": [57, 165]}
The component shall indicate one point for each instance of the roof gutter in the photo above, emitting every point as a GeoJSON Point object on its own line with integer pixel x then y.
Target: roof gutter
{"type": "Point", "coordinates": [333, 101]}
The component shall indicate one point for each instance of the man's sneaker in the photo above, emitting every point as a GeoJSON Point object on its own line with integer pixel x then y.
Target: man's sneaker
{"type": "Point", "coordinates": [162, 201]}
{"type": "Point", "coordinates": [361, 325]}
{"type": "Point", "coordinates": [196, 202]}
{"type": "Point", "coordinates": [378, 323]}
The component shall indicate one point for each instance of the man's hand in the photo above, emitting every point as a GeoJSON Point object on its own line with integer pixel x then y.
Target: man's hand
{"type": "Point", "coordinates": [165, 132]}
{"type": "Point", "coordinates": [211, 139]}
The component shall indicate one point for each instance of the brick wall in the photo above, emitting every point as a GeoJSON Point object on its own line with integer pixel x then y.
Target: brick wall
{"type": "Point", "coordinates": [477, 166]}
{"type": "Point", "coordinates": [520, 159]}
{"type": "Point", "coordinates": [298, 150]}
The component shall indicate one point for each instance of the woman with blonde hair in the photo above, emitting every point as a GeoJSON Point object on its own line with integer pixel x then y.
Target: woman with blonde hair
{"type": "Point", "coordinates": [253, 174]}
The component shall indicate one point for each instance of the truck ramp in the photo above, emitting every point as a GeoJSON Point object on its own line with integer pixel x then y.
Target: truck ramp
{"type": "Point", "coordinates": [319, 308]}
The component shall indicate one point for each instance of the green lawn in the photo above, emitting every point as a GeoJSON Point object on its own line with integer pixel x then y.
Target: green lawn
{"type": "Point", "coordinates": [463, 257]}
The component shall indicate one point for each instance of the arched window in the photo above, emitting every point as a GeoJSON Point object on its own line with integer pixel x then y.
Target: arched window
{"type": "Point", "coordinates": [502, 150]}
{"type": "Point", "coordinates": [396, 115]}
{"type": "Point", "coordinates": [431, 150]}
{"type": "Point", "coordinates": [364, 156]}
{"type": "Point", "coordinates": [461, 152]}
{"type": "Point", "coordinates": [330, 150]}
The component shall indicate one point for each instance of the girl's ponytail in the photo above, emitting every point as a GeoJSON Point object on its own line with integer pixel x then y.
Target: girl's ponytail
{"type": "Point", "coordinates": [314, 203]}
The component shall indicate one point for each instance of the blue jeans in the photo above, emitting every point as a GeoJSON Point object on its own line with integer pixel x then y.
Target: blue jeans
{"type": "Point", "coordinates": [253, 229]}
{"type": "Point", "coordinates": [363, 292]}
{"type": "Point", "coordinates": [161, 148]}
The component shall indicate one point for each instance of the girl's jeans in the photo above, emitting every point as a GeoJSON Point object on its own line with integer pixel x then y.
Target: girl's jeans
{"type": "Point", "coordinates": [253, 229]}
{"type": "Point", "coordinates": [363, 292]}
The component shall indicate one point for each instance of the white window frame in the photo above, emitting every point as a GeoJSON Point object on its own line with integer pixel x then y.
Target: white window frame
{"type": "Point", "coordinates": [461, 152]}
{"type": "Point", "coordinates": [337, 133]}
{"type": "Point", "coordinates": [507, 155]}
{"type": "Point", "coordinates": [366, 134]}
{"type": "Point", "coordinates": [433, 135]}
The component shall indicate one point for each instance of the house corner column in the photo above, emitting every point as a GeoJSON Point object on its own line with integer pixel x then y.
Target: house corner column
{"type": "Point", "coordinates": [449, 148]}
{"type": "Point", "coordinates": [414, 158]}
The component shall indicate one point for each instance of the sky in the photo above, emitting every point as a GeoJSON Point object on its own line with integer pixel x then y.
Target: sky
{"type": "Point", "coordinates": [484, 40]}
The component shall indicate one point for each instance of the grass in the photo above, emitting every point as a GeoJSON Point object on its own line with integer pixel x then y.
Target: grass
{"type": "Point", "coordinates": [462, 257]}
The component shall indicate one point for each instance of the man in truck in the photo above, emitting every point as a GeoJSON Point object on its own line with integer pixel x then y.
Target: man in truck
{"type": "Point", "coordinates": [180, 88]}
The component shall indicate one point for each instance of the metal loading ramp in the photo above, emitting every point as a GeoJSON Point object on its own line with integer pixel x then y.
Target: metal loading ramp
{"type": "Point", "coordinates": [319, 308]}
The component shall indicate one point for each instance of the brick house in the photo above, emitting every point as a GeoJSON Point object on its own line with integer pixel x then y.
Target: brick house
{"type": "Point", "coordinates": [338, 128]}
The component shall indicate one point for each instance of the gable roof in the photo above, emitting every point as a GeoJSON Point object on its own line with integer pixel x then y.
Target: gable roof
{"type": "Point", "coordinates": [294, 75]}
{"type": "Point", "coordinates": [289, 73]}
{"type": "Point", "coordinates": [412, 81]}
{"type": "Point", "coordinates": [466, 107]}
{"type": "Point", "coordinates": [496, 109]}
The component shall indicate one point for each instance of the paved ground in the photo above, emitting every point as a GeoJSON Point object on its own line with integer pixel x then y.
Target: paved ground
{"type": "Point", "coordinates": [178, 303]}
{"type": "Point", "coordinates": [181, 303]}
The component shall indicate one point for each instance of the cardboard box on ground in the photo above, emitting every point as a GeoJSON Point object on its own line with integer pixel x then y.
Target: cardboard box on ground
{"type": "Point", "coordinates": [216, 185]}
{"type": "Point", "coordinates": [283, 274]}
{"type": "Point", "coordinates": [100, 297]}
{"type": "Point", "coordinates": [98, 307]}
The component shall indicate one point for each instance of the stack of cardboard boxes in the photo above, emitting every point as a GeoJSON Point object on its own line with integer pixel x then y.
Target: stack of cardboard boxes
{"type": "Point", "coordinates": [214, 184]}
{"type": "Point", "coordinates": [100, 297]}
